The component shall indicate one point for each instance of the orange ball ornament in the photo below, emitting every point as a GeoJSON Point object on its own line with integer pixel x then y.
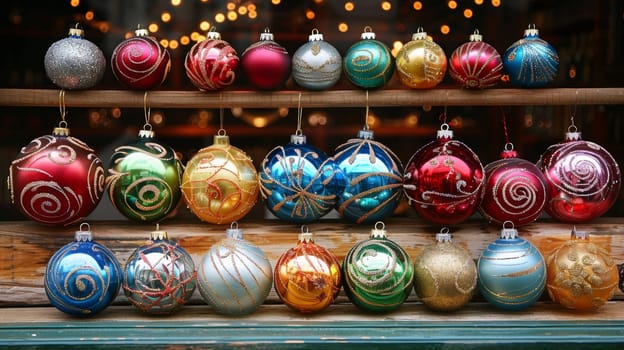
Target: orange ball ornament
{"type": "Point", "coordinates": [307, 277]}
{"type": "Point", "coordinates": [581, 274]}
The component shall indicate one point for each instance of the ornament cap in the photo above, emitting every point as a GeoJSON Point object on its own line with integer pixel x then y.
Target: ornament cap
{"type": "Point", "coordinates": [581, 235]}
{"type": "Point", "coordinates": [445, 132]}
{"type": "Point", "coordinates": [315, 36]}
{"type": "Point", "coordinates": [368, 34]}
{"type": "Point", "coordinates": [223, 140]}
{"type": "Point", "coordinates": [366, 134]}
{"type": "Point", "coordinates": [379, 231]}
{"type": "Point", "coordinates": [267, 35]}
{"type": "Point", "coordinates": [141, 32]}
{"type": "Point", "coordinates": [159, 235]}
{"type": "Point", "coordinates": [476, 36]}
{"type": "Point", "coordinates": [531, 31]}
{"type": "Point", "coordinates": [298, 139]}
{"type": "Point", "coordinates": [60, 131]}
{"type": "Point", "coordinates": [212, 34]}
{"type": "Point", "coordinates": [420, 34]}
{"type": "Point", "coordinates": [84, 234]}
{"type": "Point", "coordinates": [76, 32]}
{"type": "Point", "coordinates": [305, 236]}
{"type": "Point", "coordinates": [508, 231]}
{"type": "Point", "coordinates": [573, 136]}
{"type": "Point", "coordinates": [147, 134]}
{"type": "Point", "coordinates": [234, 232]}
{"type": "Point", "coordinates": [509, 153]}
{"type": "Point", "coordinates": [444, 236]}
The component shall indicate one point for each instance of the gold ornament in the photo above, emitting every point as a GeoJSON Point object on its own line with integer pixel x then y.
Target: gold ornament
{"type": "Point", "coordinates": [445, 275]}
{"type": "Point", "coordinates": [421, 63]}
{"type": "Point", "coordinates": [220, 183]}
{"type": "Point", "coordinates": [581, 274]}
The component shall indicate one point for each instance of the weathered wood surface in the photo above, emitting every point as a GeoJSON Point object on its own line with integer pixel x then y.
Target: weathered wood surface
{"type": "Point", "coordinates": [25, 247]}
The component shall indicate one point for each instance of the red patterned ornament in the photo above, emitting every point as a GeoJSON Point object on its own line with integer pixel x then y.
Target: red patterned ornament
{"type": "Point", "coordinates": [56, 179]}
{"type": "Point", "coordinates": [211, 64]}
{"type": "Point", "coordinates": [141, 62]}
{"type": "Point", "coordinates": [583, 179]}
{"type": "Point", "coordinates": [515, 190]}
{"type": "Point", "coordinates": [476, 64]}
{"type": "Point", "coordinates": [266, 63]}
{"type": "Point", "coordinates": [444, 180]}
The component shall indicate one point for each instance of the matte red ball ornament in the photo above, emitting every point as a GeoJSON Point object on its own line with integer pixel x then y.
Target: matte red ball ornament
{"type": "Point", "coordinates": [56, 179]}
{"type": "Point", "coordinates": [141, 62]}
{"type": "Point", "coordinates": [443, 180]}
{"type": "Point", "coordinates": [211, 64]}
{"type": "Point", "coordinates": [515, 190]}
{"type": "Point", "coordinates": [266, 63]}
{"type": "Point", "coordinates": [476, 64]}
{"type": "Point", "coordinates": [583, 179]}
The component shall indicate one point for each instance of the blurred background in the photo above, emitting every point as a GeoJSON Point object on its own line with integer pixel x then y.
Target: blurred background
{"type": "Point", "coordinates": [588, 35]}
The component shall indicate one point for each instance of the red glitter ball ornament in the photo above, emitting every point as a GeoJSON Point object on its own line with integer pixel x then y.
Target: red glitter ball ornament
{"type": "Point", "coordinates": [211, 64]}
{"type": "Point", "coordinates": [444, 180]}
{"type": "Point", "coordinates": [476, 64]}
{"type": "Point", "coordinates": [583, 179]}
{"type": "Point", "coordinates": [56, 179]}
{"type": "Point", "coordinates": [141, 62]}
{"type": "Point", "coordinates": [265, 63]}
{"type": "Point", "coordinates": [515, 190]}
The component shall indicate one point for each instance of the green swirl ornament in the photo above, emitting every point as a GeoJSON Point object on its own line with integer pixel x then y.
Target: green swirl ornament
{"type": "Point", "coordinates": [368, 63]}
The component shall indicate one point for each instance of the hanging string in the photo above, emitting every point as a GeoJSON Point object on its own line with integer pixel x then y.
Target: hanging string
{"type": "Point", "coordinates": [442, 117]}
{"type": "Point", "coordinates": [366, 116]}
{"type": "Point", "coordinates": [147, 111]}
{"type": "Point", "coordinates": [221, 129]}
{"type": "Point", "coordinates": [572, 127]}
{"type": "Point", "coordinates": [508, 144]}
{"type": "Point", "coordinates": [299, 132]}
{"type": "Point", "coordinates": [62, 109]}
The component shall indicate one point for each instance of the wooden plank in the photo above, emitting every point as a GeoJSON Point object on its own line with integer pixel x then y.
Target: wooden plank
{"type": "Point", "coordinates": [327, 99]}
{"type": "Point", "coordinates": [25, 247]}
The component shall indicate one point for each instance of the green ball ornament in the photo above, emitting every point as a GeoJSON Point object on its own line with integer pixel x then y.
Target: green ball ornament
{"type": "Point", "coordinates": [368, 63]}
{"type": "Point", "coordinates": [144, 179]}
{"type": "Point", "coordinates": [378, 273]}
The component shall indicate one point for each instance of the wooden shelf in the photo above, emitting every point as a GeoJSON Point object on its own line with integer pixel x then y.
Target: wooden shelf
{"type": "Point", "coordinates": [326, 99]}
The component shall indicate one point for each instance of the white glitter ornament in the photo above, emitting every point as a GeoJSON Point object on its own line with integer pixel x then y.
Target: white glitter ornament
{"type": "Point", "coordinates": [74, 63]}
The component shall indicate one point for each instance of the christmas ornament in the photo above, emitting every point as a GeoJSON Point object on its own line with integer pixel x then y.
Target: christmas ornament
{"type": "Point", "coordinates": [476, 64]}
{"type": "Point", "coordinates": [144, 180]}
{"type": "Point", "coordinates": [531, 62]}
{"type": "Point", "coordinates": [235, 276]}
{"type": "Point", "coordinates": [159, 276]}
{"type": "Point", "coordinates": [299, 182]}
{"type": "Point", "coordinates": [56, 179]}
{"type": "Point", "coordinates": [373, 179]}
{"type": "Point", "coordinates": [581, 274]}
{"type": "Point", "coordinates": [444, 180]}
{"type": "Point", "coordinates": [445, 276]}
{"type": "Point", "coordinates": [74, 63]}
{"type": "Point", "coordinates": [377, 273]}
{"type": "Point", "coordinates": [368, 63]}
{"type": "Point", "coordinates": [83, 277]}
{"type": "Point", "coordinates": [316, 65]}
{"type": "Point", "coordinates": [515, 190]}
{"type": "Point", "coordinates": [141, 62]}
{"type": "Point", "coordinates": [583, 179]}
{"type": "Point", "coordinates": [266, 63]}
{"type": "Point", "coordinates": [307, 277]}
{"type": "Point", "coordinates": [421, 63]}
{"type": "Point", "coordinates": [512, 272]}
{"type": "Point", "coordinates": [211, 64]}
{"type": "Point", "coordinates": [220, 183]}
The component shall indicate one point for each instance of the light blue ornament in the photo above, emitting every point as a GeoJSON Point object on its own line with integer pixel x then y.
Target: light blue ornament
{"type": "Point", "coordinates": [512, 272]}
{"type": "Point", "coordinates": [235, 276]}
{"type": "Point", "coordinates": [531, 62]}
{"type": "Point", "coordinates": [374, 179]}
{"type": "Point", "coordinates": [316, 65]}
{"type": "Point", "coordinates": [368, 63]}
{"type": "Point", "coordinates": [83, 277]}
{"type": "Point", "coordinates": [299, 182]}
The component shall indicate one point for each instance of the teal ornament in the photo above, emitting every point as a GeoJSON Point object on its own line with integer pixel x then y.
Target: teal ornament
{"type": "Point", "coordinates": [235, 276]}
{"type": "Point", "coordinates": [374, 179]}
{"type": "Point", "coordinates": [378, 273]}
{"type": "Point", "coordinates": [159, 276]}
{"type": "Point", "coordinates": [531, 62]}
{"type": "Point", "coordinates": [512, 272]}
{"type": "Point", "coordinates": [299, 182]}
{"type": "Point", "coordinates": [316, 65]}
{"type": "Point", "coordinates": [83, 277]}
{"type": "Point", "coordinates": [144, 179]}
{"type": "Point", "coordinates": [368, 64]}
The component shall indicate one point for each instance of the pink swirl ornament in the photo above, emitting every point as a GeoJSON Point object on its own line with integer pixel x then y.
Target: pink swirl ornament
{"type": "Point", "coordinates": [583, 179]}
{"type": "Point", "coordinates": [211, 64]}
{"type": "Point", "coordinates": [140, 62]}
{"type": "Point", "coordinates": [476, 64]}
{"type": "Point", "coordinates": [56, 179]}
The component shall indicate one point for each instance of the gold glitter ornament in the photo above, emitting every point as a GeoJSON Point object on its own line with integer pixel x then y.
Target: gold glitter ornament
{"type": "Point", "coordinates": [445, 275]}
{"type": "Point", "coordinates": [581, 274]}
{"type": "Point", "coordinates": [421, 63]}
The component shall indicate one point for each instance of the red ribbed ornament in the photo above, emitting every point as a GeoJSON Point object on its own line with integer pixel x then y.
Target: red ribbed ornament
{"type": "Point", "coordinates": [211, 64]}
{"type": "Point", "coordinates": [476, 64]}
{"type": "Point", "coordinates": [266, 63]}
{"type": "Point", "coordinates": [141, 62]}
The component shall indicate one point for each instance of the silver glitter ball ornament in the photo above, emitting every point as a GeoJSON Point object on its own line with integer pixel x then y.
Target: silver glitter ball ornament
{"type": "Point", "coordinates": [74, 63]}
{"type": "Point", "coordinates": [316, 65]}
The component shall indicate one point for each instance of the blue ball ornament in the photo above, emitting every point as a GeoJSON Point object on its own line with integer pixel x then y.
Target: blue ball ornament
{"type": "Point", "coordinates": [83, 277]}
{"type": "Point", "coordinates": [531, 62]}
{"type": "Point", "coordinates": [512, 272]}
{"type": "Point", "coordinates": [299, 182]}
{"type": "Point", "coordinates": [368, 63]}
{"type": "Point", "coordinates": [374, 180]}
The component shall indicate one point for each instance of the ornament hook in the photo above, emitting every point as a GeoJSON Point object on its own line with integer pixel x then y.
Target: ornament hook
{"type": "Point", "coordinates": [234, 225]}
{"type": "Point", "coordinates": [147, 112]}
{"type": "Point", "coordinates": [366, 127]}
{"type": "Point", "coordinates": [444, 236]}
{"type": "Point", "coordinates": [299, 132]}
{"type": "Point", "coordinates": [221, 131]}
{"type": "Point", "coordinates": [368, 29]}
{"type": "Point", "coordinates": [379, 225]}
{"type": "Point", "coordinates": [85, 224]}
{"type": "Point", "coordinates": [572, 127]}
{"type": "Point", "coordinates": [62, 109]}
